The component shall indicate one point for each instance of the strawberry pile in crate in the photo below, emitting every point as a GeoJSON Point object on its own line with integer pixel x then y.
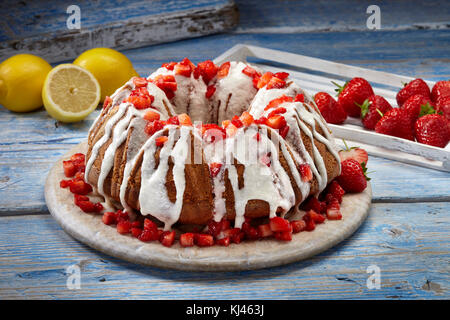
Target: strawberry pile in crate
{"type": "Point", "coordinates": [422, 115]}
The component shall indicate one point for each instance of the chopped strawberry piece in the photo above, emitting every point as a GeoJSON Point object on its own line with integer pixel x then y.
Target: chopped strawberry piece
{"type": "Point", "coordinates": [225, 242]}
{"type": "Point", "coordinates": [207, 70]}
{"type": "Point", "coordinates": [336, 190]}
{"type": "Point", "coordinates": [174, 120]}
{"type": "Point", "coordinates": [312, 203]}
{"type": "Point", "coordinates": [169, 66]}
{"type": "Point", "coordinates": [305, 172]}
{"type": "Point", "coordinates": [246, 118]}
{"type": "Point", "coordinates": [140, 82]}
{"type": "Point", "coordinates": [151, 115]}
{"type": "Point", "coordinates": [149, 224]}
{"type": "Point", "coordinates": [284, 131]}
{"type": "Point", "coordinates": [182, 70]}
{"type": "Point", "coordinates": [136, 224]}
{"type": "Point", "coordinates": [223, 70]}
{"type": "Point", "coordinates": [255, 82]}
{"type": "Point", "coordinates": [78, 198]}
{"type": "Point", "coordinates": [65, 183]}
{"type": "Point", "coordinates": [333, 210]}
{"type": "Point", "coordinates": [78, 159]}
{"type": "Point", "coordinates": [236, 235]}
{"type": "Point", "coordinates": [264, 79]}
{"type": "Point", "coordinates": [298, 226]}
{"type": "Point", "coordinates": [122, 215]}
{"type": "Point", "coordinates": [80, 187]}
{"type": "Point", "coordinates": [184, 119]}
{"type": "Point", "coordinates": [214, 169]}
{"type": "Point", "coordinates": [317, 217]}
{"type": "Point", "coordinates": [277, 101]}
{"type": "Point", "coordinates": [299, 98]}
{"type": "Point", "coordinates": [187, 239]}
{"type": "Point", "coordinates": [281, 75]}
{"type": "Point", "coordinates": [154, 126]}
{"type": "Point", "coordinates": [283, 236]}
{"type": "Point", "coordinates": [276, 83]}
{"type": "Point", "coordinates": [262, 120]}
{"type": "Point", "coordinates": [214, 228]}
{"type": "Point", "coordinates": [160, 141]}
{"type": "Point", "coordinates": [279, 110]}
{"type": "Point", "coordinates": [109, 218]}
{"type": "Point", "coordinates": [124, 227]}
{"type": "Point", "coordinates": [276, 121]}
{"type": "Point", "coordinates": [210, 90]}
{"type": "Point", "coordinates": [149, 235]}
{"type": "Point", "coordinates": [251, 232]}
{"type": "Point", "coordinates": [107, 103]}
{"type": "Point", "coordinates": [278, 224]}
{"type": "Point", "coordinates": [87, 206]}
{"type": "Point", "coordinates": [357, 154]}
{"type": "Point", "coordinates": [167, 238]}
{"type": "Point", "coordinates": [310, 224]}
{"type": "Point", "coordinates": [204, 240]}
{"type": "Point", "coordinates": [237, 122]}
{"type": "Point", "coordinates": [98, 207]}
{"type": "Point", "coordinates": [264, 230]}
{"type": "Point", "coordinates": [69, 168]}
{"type": "Point", "coordinates": [249, 71]}
{"type": "Point", "coordinates": [140, 102]}
{"type": "Point", "coordinates": [136, 232]}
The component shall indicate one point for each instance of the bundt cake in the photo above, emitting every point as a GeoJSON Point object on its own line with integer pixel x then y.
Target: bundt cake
{"type": "Point", "coordinates": [193, 143]}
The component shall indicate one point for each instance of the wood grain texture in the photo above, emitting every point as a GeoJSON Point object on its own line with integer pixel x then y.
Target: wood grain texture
{"type": "Point", "coordinates": [39, 27]}
{"type": "Point", "coordinates": [410, 244]}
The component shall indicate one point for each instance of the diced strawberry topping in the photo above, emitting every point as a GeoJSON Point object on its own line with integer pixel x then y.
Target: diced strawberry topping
{"type": "Point", "coordinates": [69, 168]}
{"type": "Point", "coordinates": [317, 217]}
{"type": "Point", "coordinates": [141, 101]}
{"type": "Point", "coordinates": [225, 242]}
{"type": "Point", "coordinates": [174, 120]}
{"type": "Point", "coordinates": [124, 227]}
{"type": "Point", "coordinates": [149, 235]}
{"type": "Point", "coordinates": [333, 210]}
{"type": "Point", "coordinates": [160, 141]}
{"type": "Point", "coordinates": [246, 118]}
{"type": "Point", "coordinates": [167, 238]}
{"type": "Point", "coordinates": [149, 224]}
{"type": "Point", "coordinates": [279, 110]}
{"type": "Point", "coordinates": [223, 70]}
{"type": "Point", "coordinates": [310, 224]}
{"type": "Point", "coordinates": [214, 169]}
{"type": "Point", "coordinates": [298, 226]}
{"type": "Point", "coordinates": [277, 101]}
{"type": "Point", "coordinates": [278, 224]}
{"type": "Point", "coordinates": [264, 230]}
{"type": "Point", "coordinates": [299, 98]}
{"type": "Point", "coordinates": [109, 218]}
{"type": "Point", "coordinates": [210, 90]}
{"type": "Point", "coordinates": [187, 239]}
{"type": "Point", "coordinates": [184, 119]}
{"type": "Point", "coordinates": [264, 79]}
{"type": "Point", "coordinates": [305, 172]}
{"type": "Point", "coordinates": [169, 66]}
{"type": "Point", "coordinates": [276, 121]}
{"type": "Point", "coordinates": [140, 82]}
{"type": "Point", "coordinates": [236, 121]}
{"type": "Point", "coordinates": [182, 70]}
{"type": "Point", "coordinates": [207, 70]}
{"type": "Point", "coordinates": [204, 240]}
{"type": "Point", "coordinates": [154, 126]}
{"type": "Point", "coordinates": [281, 75]}
{"type": "Point", "coordinates": [284, 131]}
{"type": "Point", "coordinates": [151, 115]}
{"type": "Point", "coordinates": [276, 83]}
{"type": "Point", "coordinates": [136, 232]}
{"type": "Point", "coordinates": [65, 183]}
{"type": "Point", "coordinates": [336, 190]}
{"type": "Point", "coordinates": [80, 187]}
{"type": "Point", "coordinates": [283, 236]}
{"type": "Point", "coordinates": [249, 71]}
{"type": "Point", "coordinates": [89, 207]}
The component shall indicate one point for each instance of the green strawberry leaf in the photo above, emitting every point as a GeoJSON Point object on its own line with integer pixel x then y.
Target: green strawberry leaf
{"type": "Point", "coordinates": [426, 109]}
{"type": "Point", "coordinates": [364, 107]}
{"type": "Point", "coordinates": [339, 88]}
{"type": "Point", "coordinates": [363, 165]}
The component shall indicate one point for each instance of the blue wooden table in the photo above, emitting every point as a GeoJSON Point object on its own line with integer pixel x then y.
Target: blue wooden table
{"type": "Point", "coordinates": [406, 237]}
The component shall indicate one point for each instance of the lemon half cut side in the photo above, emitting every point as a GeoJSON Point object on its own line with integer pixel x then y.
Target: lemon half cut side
{"type": "Point", "coordinates": [70, 93]}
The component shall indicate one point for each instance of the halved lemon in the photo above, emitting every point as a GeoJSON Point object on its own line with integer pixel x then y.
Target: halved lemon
{"type": "Point", "coordinates": [70, 93]}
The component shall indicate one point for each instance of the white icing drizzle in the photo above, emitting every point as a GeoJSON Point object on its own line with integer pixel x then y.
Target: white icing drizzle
{"type": "Point", "coordinates": [260, 182]}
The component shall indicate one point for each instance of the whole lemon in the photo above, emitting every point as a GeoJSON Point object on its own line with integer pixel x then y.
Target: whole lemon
{"type": "Point", "coordinates": [21, 80]}
{"type": "Point", "coordinates": [110, 67]}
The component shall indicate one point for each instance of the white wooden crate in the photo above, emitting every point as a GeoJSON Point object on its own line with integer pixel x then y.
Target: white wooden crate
{"type": "Point", "coordinates": [314, 75]}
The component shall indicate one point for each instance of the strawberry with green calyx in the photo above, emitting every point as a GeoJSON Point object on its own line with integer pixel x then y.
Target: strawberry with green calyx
{"type": "Point", "coordinates": [433, 130]}
{"type": "Point", "coordinates": [354, 153]}
{"type": "Point", "coordinates": [416, 86]}
{"type": "Point", "coordinates": [352, 93]}
{"type": "Point", "coordinates": [440, 90]}
{"type": "Point", "coordinates": [443, 106]}
{"type": "Point", "coordinates": [328, 107]}
{"type": "Point", "coordinates": [416, 105]}
{"type": "Point", "coordinates": [397, 123]}
{"type": "Point", "coordinates": [352, 178]}
{"type": "Point", "coordinates": [371, 109]}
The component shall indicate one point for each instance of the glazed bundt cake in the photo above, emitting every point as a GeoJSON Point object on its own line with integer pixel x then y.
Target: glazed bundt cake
{"type": "Point", "coordinates": [193, 143]}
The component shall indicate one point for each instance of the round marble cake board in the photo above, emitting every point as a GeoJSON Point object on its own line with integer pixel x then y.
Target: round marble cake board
{"type": "Point", "coordinates": [89, 229]}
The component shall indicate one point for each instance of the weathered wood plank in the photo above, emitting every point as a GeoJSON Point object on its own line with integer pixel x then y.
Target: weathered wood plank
{"type": "Point", "coordinates": [40, 27]}
{"type": "Point", "coordinates": [409, 243]}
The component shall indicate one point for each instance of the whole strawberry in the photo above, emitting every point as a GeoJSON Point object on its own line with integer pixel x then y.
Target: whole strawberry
{"type": "Point", "coordinates": [371, 109]}
{"type": "Point", "coordinates": [353, 93]}
{"type": "Point", "coordinates": [396, 122]}
{"type": "Point", "coordinates": [440, 89]}
{"type": "Point", "coordinates": [328, 107]}
{"type": "Point", "coordinates": [415, 104]}
{"type": "Point", "coordinates": [416, 86]}
{"type": "Point", "coordinates": [352, 178]}
{"type": "Point", "coordinates": [432, 129]}
{"type": "Point", "coordinates": [443, 106]}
